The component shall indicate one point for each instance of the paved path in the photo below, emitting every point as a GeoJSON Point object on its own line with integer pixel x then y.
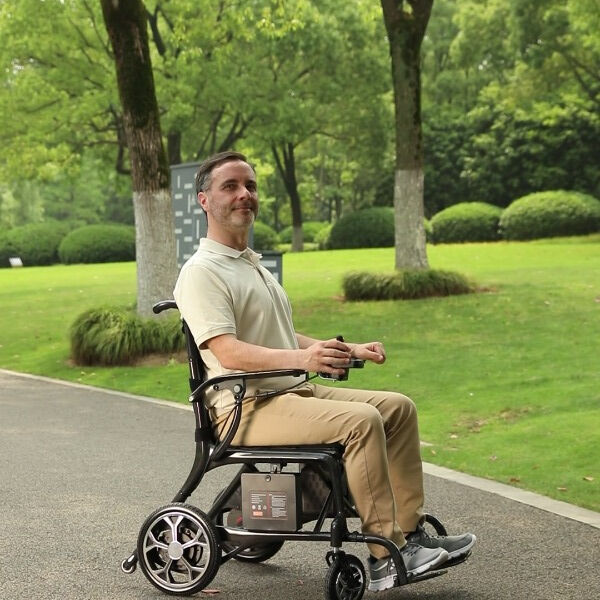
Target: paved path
{"type": "Point", "coordinates": [81, 468]}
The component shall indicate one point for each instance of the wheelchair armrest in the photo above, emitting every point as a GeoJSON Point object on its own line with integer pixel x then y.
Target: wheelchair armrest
{"type": "Point", "coordinates": [231, 380]}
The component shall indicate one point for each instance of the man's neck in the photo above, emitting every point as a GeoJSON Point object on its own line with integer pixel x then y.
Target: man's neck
{"type": "Point", "coordinates": [237, 242]}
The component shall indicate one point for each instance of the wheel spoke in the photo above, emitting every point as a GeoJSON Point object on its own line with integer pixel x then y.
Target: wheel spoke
{"type": "Point", "coordinates": [196, 541]}
{"type": "Point", "coordinates": [193, 569]}
{"type": "Point", "coordinates": [155, 543]}
{"type": "Point", "coordinates": [174, 525]}
{"type": "Point", "coordinates": [164, 569]}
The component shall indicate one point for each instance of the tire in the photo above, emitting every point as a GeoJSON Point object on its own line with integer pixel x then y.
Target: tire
{"type": "Point", "coordinates": [345, 579]}
{"type": "Point", "coordinates": [178, 549]}
{"type": "Point", "coordinates": [254, 554]}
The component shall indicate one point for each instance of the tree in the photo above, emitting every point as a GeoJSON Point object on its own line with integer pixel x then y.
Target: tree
{"type": "Point", "coordinates": [155, 239]}
{"type": "Point", "coordinates": [406, 23]}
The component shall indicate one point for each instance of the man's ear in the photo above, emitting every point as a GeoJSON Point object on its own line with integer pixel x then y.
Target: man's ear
{"type": "Point", "coordinates": [203, 201]}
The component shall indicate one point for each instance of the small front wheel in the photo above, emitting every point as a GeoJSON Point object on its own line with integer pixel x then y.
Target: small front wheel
{"type": "Point", "coordinates": [178, 549]}
{"type": "Point", "coordinates": [345, 579]}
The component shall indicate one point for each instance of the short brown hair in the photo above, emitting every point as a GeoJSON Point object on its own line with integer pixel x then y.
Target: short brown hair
{"type": "Point", "coordinates": [207, 166]}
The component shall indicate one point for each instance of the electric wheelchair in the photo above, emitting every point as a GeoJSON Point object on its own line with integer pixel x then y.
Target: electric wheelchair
{"type": "Point", "coordinates": [276, 492]}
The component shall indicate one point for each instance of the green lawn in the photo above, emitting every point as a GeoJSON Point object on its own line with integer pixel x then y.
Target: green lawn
{"type": "Point", "coordinates": [507, 380]}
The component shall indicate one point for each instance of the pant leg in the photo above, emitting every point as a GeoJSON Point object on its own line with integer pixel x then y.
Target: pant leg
{"type": "Point", "coordinates": [302, 418]}
{"type": "Point", "coordinates": [403, 446]}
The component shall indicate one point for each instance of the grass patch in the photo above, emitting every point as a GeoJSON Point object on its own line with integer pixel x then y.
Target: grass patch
{"type": "Point", "coordinates": [507, 382]}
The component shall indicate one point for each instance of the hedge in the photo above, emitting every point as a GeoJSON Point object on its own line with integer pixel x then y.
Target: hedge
{"type": "Point", "coordinates": [35, 243]}
{"type": "Point", "coordinates": [265, 237]}
{"type": "Point", "coordinates": [98, 244]}
{"type": "Point", "coordinates": [368, 228]}
{"type": "Point", "coordinates": [466, 222]}
{"type": "Point", "coordinates": [550, 214]}
{"type": "Point", "coordinates": [310, 231]}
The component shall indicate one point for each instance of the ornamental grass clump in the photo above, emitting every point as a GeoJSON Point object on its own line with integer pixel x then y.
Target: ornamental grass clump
{"type": "Point", "coordinates": [115, 336]}
{"type": "Point", "coordinates": [407, 284]}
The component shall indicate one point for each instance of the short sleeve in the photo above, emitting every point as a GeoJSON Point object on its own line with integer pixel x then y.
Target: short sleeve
{"type": "Point", "coordinates": [205, 302]}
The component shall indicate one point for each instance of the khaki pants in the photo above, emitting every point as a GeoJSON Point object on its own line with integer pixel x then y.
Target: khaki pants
{"type": "Point", "coordinates": [380, 435]}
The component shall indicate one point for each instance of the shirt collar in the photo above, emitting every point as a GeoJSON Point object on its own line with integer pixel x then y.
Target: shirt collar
{"type": "Point", "coordinates": [218, 248]}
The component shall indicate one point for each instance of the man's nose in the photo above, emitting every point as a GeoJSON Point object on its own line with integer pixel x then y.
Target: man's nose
{"type": "Point", "coordinates": [244, 192]}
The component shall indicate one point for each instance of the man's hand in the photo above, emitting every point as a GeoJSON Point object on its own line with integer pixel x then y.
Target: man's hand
{"type": "Point", "coordinates": [330, 356]}
{"type": "Point", "coordinates": [373, 351]}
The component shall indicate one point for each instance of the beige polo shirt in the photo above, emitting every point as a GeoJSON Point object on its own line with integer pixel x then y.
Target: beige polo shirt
{"type": "Point", "coordinates": [222, 290]}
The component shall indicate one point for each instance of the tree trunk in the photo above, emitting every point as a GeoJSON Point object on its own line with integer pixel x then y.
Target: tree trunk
{"type": "Point", "coordinates": [406, 23]}
{"type": "Point", "coordinates": [287, 170]}
{"type": "Point", "coordinates": [174, 147]}
{"type": "Point", "coordinates": [155, 233]}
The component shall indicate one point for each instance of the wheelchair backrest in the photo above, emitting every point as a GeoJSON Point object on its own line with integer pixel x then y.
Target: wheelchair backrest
{"type": "Point", "coordinates": [195, 363]}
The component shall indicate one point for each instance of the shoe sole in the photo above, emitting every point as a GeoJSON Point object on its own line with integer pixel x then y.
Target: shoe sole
{"type": "Point", "coordinates": [464, 551]}
{"type": "Point", "coordinates": [436, 562]}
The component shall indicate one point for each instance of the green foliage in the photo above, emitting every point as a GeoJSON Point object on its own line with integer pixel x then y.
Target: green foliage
{"type": "Point", "coordinates": [97, 244]}
{"type": "Point", "coordinates": [466, 222]}
{"type": "Point", "coordinates": [35, 244]}
{"type": "Point", "coordinates": [550, 214]}
{"type": "Point", "coordinates": [114, 336]}
{"type": "Point", "coordinates": [322, 237]}
{"type": "Point", "coordinates": [310, 230]}
{"type": "Point", "coordinates": [265, 237]}
{"type": "Point", "coordinates": [404, 285]}
{"type": "Point", "coordinates": [428, 230]}
{"type": "Point", "coordinates": [368, 228]}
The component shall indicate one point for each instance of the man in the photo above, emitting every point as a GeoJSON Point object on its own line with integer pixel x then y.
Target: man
{"type": "Point", "coordinates": [241, 319]}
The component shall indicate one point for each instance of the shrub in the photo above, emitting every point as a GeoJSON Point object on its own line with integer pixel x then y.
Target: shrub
{"type": "Point", "coordinates": [428, 230]}
{"type": "Point", "coordinates": [115, 336]}
{"type": "Point", "coordinates": [368, 228]}
{"type": "Point", "coordinates": [265, 237]}
{"type": "Point", "coordinates": [98, 244]}
{"type": "Point", "coordinates": [466, 222]}
{"type": "Point", "coordinates": [550, 214]}
{"type": "Point", "coordinates": [310, 230]}
{"type": "Point", "coordinates": [322, 237]}
{"type": "Point", "coordinates": [35, 243]}
{"type": "Point", "coordinates": [404, 285]}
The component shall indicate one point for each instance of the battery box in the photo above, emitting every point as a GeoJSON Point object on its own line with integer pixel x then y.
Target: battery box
{"type": "Point", "coordinates": [271, 501]}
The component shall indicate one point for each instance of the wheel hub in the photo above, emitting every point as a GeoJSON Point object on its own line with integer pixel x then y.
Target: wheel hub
{"type": "Point", "coordinates": [175, 550]}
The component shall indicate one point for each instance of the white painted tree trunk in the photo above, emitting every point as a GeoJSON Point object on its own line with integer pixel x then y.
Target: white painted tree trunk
{"type": "Point", "coordinates": [411, 252]}
{"type": "Point", "coordinates": [155, 248]}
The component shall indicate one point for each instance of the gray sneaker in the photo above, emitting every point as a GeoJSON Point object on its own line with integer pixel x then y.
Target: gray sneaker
{"type": "Point", "coordinates": [457, 546]}
{"type": "Point", "coordinates": [417, 560]}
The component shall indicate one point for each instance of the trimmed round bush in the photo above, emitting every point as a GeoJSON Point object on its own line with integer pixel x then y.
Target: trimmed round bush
{"type": "Point", "coordinates": [428, 230]}
{"type": "Point", "coordinates": [310, 230]}
{"type": "Point", "coordinates": [466, 222]}
{"type": "Point", "coordinates": [368, 228]}
{"type": "Point", "coordinates": [98, 244]}
{"type": "Point", "coordinates": [35, 243]}
{"type": "Point", "coordinates": [265, 237]}
{"type": "Point", "coordinates": [550, 214]}
{"type": "Point", "coordinates": [116, 336]}
{"type": "Point", "coordinates": [407, 284]}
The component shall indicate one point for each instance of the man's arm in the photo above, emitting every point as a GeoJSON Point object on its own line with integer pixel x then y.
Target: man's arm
{"type": "Point", "coordinates": [330, 356]}
{"type": "Point", "coordinates": [373, 351]}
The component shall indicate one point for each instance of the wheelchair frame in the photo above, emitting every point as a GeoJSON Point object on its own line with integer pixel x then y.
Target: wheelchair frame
{"type": "Point", "coordinates": [180, 548]}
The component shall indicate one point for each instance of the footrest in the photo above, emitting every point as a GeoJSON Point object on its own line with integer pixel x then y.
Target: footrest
{"type": "Point", "coordinates": [428, 575]}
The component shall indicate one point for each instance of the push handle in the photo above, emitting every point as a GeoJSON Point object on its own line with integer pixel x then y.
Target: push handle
{"type": "Point", "coordinates": [163, 305]}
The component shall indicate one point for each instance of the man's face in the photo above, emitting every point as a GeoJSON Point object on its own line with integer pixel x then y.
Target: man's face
{"type": "Point", "coordinates": [231, 201]}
